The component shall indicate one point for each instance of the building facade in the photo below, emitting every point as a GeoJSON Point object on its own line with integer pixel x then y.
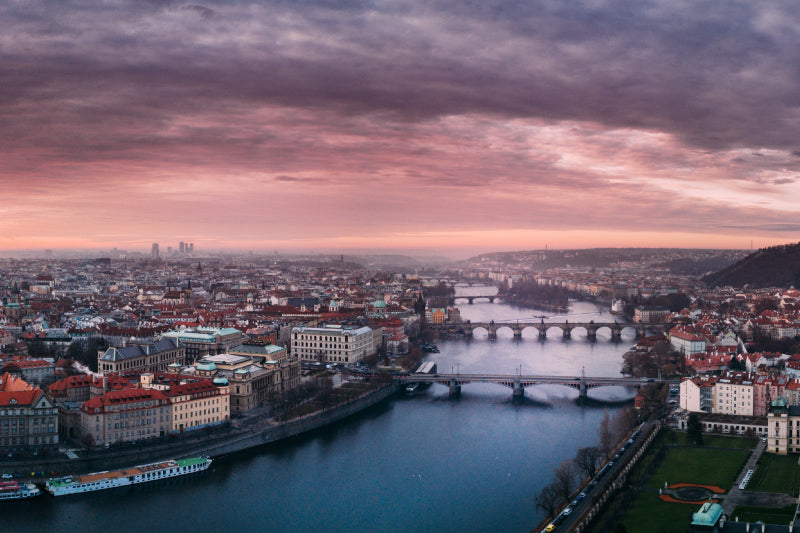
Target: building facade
{"type": "Point", "coordinates": [194, 403]}
{"type": "Point", "coordinates": [734, 394]}
{"type": "Point", "coordinates": [155, 357]}
{"type": "Point", "coordinates": [127, 415]}
{"type": "Point", "coordinates": [335, 344]}
{"type": "Point", "coordinates": [28, 419]}
{"type": "Point", "coordinates": [202, 341]}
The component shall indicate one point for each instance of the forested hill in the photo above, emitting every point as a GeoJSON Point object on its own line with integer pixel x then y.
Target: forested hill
{"type": "Point", "coordinates": [778, 266]}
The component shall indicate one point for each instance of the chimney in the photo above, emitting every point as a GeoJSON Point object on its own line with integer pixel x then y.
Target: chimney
{"type": "Point", "coordinates": [105, 384]}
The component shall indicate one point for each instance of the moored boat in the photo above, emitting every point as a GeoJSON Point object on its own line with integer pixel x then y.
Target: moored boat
{"type": "Point", "coordinates": [13, 490]}
{"type": "Point", "coordinates": [127, 476]}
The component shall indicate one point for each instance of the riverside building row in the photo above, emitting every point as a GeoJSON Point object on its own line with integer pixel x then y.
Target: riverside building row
{"type": "Point", "coordinates": [135, 405]}
{"type": "Point", "coordinates": [737, 393]}
{"type": "Point", "coordinates": [170, 404]}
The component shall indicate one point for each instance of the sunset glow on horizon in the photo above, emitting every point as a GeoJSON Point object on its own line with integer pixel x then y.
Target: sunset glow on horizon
{"type": "Point", "coordinates": [399, 125]}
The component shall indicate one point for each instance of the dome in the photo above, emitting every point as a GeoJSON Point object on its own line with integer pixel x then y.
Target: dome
{"type": "Point", "coordinates": [780, 401]}
{"type": "Point", "coordinates": [220, 382]}
{"type": "Point", "coordinates": [379, 303]}
{"type": "Point", "coordinates": [206, 367]}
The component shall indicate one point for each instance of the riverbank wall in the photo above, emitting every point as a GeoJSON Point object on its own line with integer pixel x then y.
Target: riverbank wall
{"type": "Point", "coordinates": [236, 439]}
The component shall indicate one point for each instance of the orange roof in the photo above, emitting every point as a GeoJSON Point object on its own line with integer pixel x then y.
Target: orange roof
{"type": "Point", "coordinates": [15, 391]}
{"type": "Point", "coordinates": [122, 397]}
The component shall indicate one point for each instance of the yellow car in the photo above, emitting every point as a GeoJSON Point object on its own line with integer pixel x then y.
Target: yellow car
{"type": "Point", "coordinates": [550, 527]}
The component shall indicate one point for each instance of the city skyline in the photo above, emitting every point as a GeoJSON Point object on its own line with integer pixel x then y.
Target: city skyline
{"type": "Point", "coordinates": [399, 126]}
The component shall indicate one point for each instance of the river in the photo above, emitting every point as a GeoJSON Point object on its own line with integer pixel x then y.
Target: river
{"type": "Point", "coordinates": [422, 463]}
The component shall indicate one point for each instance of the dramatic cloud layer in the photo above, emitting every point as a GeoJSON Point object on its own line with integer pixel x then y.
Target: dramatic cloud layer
{"type": "Point", "coordinates": [339, 125]}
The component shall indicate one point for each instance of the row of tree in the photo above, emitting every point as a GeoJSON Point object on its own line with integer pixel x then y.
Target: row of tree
{"type": "Point", "coordinates": [530, 293]}
{"type": "Point", "coordinates": [584, 465]}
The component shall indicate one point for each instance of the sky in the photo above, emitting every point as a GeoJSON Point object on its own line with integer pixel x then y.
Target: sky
{"type": "Point", "coordinates": [437, 126]}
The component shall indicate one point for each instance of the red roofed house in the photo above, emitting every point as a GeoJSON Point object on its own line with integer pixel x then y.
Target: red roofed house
{"type": "Point", "coordinates": [686, 341]}
{"type": "Point", "coordinates": [125, 416]}
{"type": "Point", "coordinates": [28, 421]}
{"type": "Point", "coordinates": [31, 370]}
{"type": "Point", "coordinates": [195, 402]}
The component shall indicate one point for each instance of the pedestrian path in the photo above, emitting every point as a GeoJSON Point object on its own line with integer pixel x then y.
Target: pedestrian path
{"type": "Point", "coordinates": [738, 495]}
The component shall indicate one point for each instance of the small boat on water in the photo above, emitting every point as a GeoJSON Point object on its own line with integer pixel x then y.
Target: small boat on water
{"type": "Point", "coordinates": [13, 490]}
{"type": "Point", "coordinates": [411, 388]}
{"type": "Point", "coordinates": [128, 476]}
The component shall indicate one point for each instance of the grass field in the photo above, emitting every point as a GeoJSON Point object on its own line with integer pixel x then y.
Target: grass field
{"type": "Point", "coordinates": [782, 515]}
{"type": "Point", "coordinates": [648, 514]}
{"type": "Point", "coordinates": [699, 465]}
{"type": "Point", "coordinates": [776, 473]}
{"type": "Point", "coordinates": [716, 441]}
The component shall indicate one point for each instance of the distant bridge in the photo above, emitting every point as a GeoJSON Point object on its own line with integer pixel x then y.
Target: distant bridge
{"type": "Point", "coordinates": [566, 328]}
{"type": "Point", "coordinates": [471, 299]}
{"type": "Point", "coordinates": [517, 383]}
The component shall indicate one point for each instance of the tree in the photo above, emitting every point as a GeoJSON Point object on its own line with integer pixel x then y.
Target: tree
{"type": "Point", "coordinates": [565, 479]}
{"type": "Point", "coordinates": [587, 459]}
{"type": "Point", "coordinates": [736, 364]}
{"type": "Point", "coordinates": [606, 436]}
{"type": "Point", "coordinates": [548, 499]}
{"type": "Point", "coordinates": [694, 429]}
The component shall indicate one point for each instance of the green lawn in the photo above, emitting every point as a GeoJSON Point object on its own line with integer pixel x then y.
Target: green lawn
{"type": "Point", "coordinates": [699, 465]}
{"type": "Point", "coordinates": [715, 441]}
{"type": "Point", "coordinates": [648, 514]}
{"type": "Point", "coordinates": [767, 515]}
{"type": "Point", "coordinates": [776, 473]}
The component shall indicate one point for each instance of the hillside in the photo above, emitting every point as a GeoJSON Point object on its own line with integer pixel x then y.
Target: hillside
{"type": "Point", "coordinates": [778, 266]}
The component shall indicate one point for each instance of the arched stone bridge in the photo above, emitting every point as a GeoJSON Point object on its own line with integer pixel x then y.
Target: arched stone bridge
{"type": "Point", "coordinates": [517, 383]}
{"type": "Point", "coordinates": [471, 299]}
{"type": "Point", "coordinates": [566, 328]}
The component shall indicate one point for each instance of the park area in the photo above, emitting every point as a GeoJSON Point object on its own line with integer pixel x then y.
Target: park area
{"type": "Point", "coordinates": [716, 464]}
{"type": "Point", "coordinates": [776, 473]}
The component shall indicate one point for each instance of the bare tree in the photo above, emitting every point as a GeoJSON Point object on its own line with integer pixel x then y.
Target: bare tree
{"type": "Point", "coordinates": [587, 459]}
{"type": "Point", "coordinates": [625, 420]}
{"type": "Point", "coordinates": [548, 500]}
{"type": "Point", "coordinates": [606, 436]}
{"type": "Point", "coordinates": [565, 479]}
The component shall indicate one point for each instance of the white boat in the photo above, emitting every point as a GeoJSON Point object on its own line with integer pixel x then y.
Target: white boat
{"type": "Point", "coordinates": [411, 388]}
{"type": "Point", "coordinates": [12, 490]}
{"type": "Point", "coordinates": [128, 476]}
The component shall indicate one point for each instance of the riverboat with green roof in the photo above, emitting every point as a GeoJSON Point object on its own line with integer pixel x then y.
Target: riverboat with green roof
{"type": "Point", "coordinates": [128, 476]}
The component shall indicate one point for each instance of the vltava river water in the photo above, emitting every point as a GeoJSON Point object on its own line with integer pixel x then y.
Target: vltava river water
{"type": "Point", "coordinates": [424, 463]}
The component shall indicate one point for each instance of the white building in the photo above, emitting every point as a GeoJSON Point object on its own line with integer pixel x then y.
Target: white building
{"type": "Point", "coordinates": [734, 394]}
{"type": "Point", "coordinates": [335, 343]}
{"type": "Point", "coordinates": [697, 394]}
{"type": "Point", "coordinates": [686, 342]}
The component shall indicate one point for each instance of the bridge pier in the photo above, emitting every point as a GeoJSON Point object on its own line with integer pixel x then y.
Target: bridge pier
{"type": "Point", "coordinates": [542, 334]}
{"type": "Point", "coordinates": [517, 333]}
{"type": "Point", "coordinates": [455, 389]}
{"type": "Point", "coordinates": [518, 391]}
{"type": "Point", "coordinates": [616, 335]}
{"type": "Point", "coordinates": [591, 335]}
{"type": "Point", "coordinates": [583, 390]}
{"type": "Point", "coordinates": [567, 334]}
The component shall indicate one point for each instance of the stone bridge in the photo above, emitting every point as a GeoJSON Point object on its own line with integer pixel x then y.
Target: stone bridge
{"type": "Point", "coordinates": [566, 328]}
{"type": "Point", "coordinates": [471, 299]}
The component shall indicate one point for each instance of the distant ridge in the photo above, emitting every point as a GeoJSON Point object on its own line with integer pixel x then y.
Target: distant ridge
{"type": "Point", "coordinates": [777, 266]}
